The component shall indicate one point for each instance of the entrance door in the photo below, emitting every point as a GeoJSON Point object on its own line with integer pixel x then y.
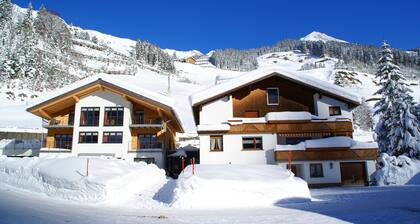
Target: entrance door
{"type": "Point", "coordinates": [353, 174]}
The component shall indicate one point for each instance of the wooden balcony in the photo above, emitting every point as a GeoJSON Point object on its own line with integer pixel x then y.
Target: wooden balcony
{"type": "Point", "coordinates": [327, 154]}
{"type": "Point", "coordinates": [306, 128]}
{"type": "Point", "coordinates": [137, 146]}
{"type": "Point", "coordinates": [52, 143]}
{"type": "Point", "coordinates": [58, 124]}
{"type": "Point", "coordinates": [149, 123]}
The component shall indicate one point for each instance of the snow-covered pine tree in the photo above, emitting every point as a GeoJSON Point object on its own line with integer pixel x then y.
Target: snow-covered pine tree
{"type": "Point", "coordinates": [398, 128]}
{"type": "Point", "coordinates": [383, 106]}
{"type": "Point", "coordinates": [346, 78]}
{"type": "Point", "coordinates": [363, 116]}
{"type": "Point", "coordinates": [26, 49]}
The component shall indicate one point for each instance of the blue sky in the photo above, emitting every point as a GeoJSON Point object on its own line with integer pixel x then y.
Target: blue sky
{"type": "Point", "coordinates": [215, 24]}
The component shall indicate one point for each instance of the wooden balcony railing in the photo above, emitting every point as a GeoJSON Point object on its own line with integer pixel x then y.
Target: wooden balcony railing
{"type": "Point", "coordinates": [52, 143]}
{"type": "Point", "coordinates": [59, 123]}
{"type": "Point", "coordinates": [139, 146]}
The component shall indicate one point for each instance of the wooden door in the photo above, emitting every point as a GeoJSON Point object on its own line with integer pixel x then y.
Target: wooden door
{"type": "Point", "coordinates": [353, 173]}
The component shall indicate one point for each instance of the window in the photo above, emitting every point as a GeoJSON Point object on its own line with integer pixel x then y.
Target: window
{"type": "Point", "coordinates": [112, 137]}
{"type": "Point", "coordinates": [63, 141]}
{"type": "Point", "coordinates": [252, 143]}
{"type": "Point", "coordinates": [216, 143]}
{"type": "Point", "coordinates": [335, 110]}
{"type": "Point", "coordinates": [89, 116]}
{"type": "Point", "coordinates": [251, 114]}
{"type": "Point", "coordinates": [149, 141]}
{"type": "Point", "coordinates": [272, 96]}
{"type": "Point", "coordinates": [88, 137]}
{"type": "Point", "coordinates": [316, 170]}
{"type": "Point", "coordinates": [114, 116]}
{"type": "Point", "coordinates": [71, 118]}
{"type": "Point", "coordinates": [139, 117]}
{"type": "Point", "coordinates": [147, 160]}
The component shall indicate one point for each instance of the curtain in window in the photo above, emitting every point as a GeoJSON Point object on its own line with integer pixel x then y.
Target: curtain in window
{"type": "Point", "coordinates": [106, 121]}
{"type": "Point", "coordinates": [82, 118]}
{"type": "Point", "coordinates": [212, 143]}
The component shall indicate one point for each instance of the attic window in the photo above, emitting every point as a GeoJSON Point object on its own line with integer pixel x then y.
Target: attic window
{"type": "Point", "coordinates": [272, 96]}
{"type": "Point", "coordinates": [335, 110]}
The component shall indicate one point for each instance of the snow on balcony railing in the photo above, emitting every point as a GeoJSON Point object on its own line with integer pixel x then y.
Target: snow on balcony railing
{"type": "Point", "coordinates": [325, 143]}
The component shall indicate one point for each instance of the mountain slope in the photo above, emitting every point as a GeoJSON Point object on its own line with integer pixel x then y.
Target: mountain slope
{"type": "Point", "coordinates": [317, 36]}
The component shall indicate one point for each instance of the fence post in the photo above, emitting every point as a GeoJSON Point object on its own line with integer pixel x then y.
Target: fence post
{"type": "Point", "coordinates": [193, 161]}
{"type": "Point", "coordinates": [182, 164]}
{"type": "Point", "coordinates": [87, 167]}
{"type": "Point", "coordinates": [290, 160]}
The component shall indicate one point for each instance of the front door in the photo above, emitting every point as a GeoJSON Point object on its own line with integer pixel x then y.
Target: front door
{"type": "Point", "coordinates": [353, 174]}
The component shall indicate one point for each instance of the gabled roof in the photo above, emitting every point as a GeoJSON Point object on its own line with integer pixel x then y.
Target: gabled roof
{"type": "Point", "coordinates": [224, 88]}
{"type": "Point", "coordinates": [112, 82]}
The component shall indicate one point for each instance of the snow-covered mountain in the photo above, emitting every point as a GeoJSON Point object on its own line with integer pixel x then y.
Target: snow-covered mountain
{"type": "Point", "coordinates": [318, 36]}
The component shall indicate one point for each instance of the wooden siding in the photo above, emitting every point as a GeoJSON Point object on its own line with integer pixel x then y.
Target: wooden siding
{"type": "Point", "coordinates": [327, 154]}
{"type": "Point", "coordinates": [292, 97]}
{"type": "Point", "coordinates": [327, 128]}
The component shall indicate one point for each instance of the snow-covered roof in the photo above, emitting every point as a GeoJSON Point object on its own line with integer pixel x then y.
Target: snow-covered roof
{"type": "Point", "coordinates": [260, 74]}
{"type": "Point", "coordinates": [155, 91]}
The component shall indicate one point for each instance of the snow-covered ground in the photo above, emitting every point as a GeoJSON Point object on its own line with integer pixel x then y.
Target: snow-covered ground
{"type": "Point", "coordinates": [237, 186]}
{"type": "Point", "coordinates": [106, 180]}
{"type": "Point", "coordinates": [333, 205]}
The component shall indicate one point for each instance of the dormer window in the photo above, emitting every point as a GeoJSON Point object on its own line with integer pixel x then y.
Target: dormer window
{"type": "Point", "coordinates": [335, 110]}
{"type": "Point", "coordinates": [272, 96]}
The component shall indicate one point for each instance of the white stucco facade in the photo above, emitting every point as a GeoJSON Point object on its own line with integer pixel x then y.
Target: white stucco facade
{"type": "Point", "coordinates": [233, 152]}
{"type": "Point", "coordinates": [323, 103]}
{"type": "Point", "coordinates": [331, 170]}
{"type": "Point", "coordinates": [104, 99]}
{"type": "Point", "coordinates": [217, 111]}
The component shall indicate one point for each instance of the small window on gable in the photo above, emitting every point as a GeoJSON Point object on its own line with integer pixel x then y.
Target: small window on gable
{"type": "Point", "coordinates": [335, 110]}
{"type": "Point", "coordinates": [272, 96]}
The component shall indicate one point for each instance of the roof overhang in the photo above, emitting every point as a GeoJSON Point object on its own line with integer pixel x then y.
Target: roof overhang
{"type": "Point", "coordinates": [323, 87]}
{"type": "Point", "coordinates": [70, 95]}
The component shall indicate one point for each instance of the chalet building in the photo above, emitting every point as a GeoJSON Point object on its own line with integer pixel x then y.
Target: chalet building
{"type": "Point", "coordinates": [105, 116]}
{"type": "Point", "coordinates": [191, 60]}
{"type": "Point", "coordinates": [267, 116]}
{"type": "Point", "coordinates": [274, 117]}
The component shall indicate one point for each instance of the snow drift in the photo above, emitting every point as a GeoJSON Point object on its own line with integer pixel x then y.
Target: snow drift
{"type": "Point", "coordinates": [220, 186]}
{"type": "Point", "coordinates": [396, 170]}
{"type": "Point", "coordinates": [110, 180]}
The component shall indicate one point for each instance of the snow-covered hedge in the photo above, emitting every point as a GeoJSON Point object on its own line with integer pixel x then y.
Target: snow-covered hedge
{"type": "Point", "coordinates": [110, 180]}
{"type": "Point", "coordinates": [221, 186]}
{"type": "Point", "coordinates": [396, 170]}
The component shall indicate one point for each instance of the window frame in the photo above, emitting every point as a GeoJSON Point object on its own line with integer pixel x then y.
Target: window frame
{"type": "Point", "coordinates": [255, 143]}
{"type": "Point", "coordinates": [268, 98]}
{"type": "Point", "coordinates": [94, 109]}
{"type": "Point", "coordinates": [108, 114]}
{"type": "Point", "coordinates": [312, 175]}
{"type": "Point", "coordinates": [221, 143]}
{"type": "Point", "coordinates": [148, 136]}
{"type": "Point", "coordinates": [92, 134]}
{"type": "Point", "coordinates": [136, 113]}
{"type": "Point", "coordinates": [332, 108]}
{"type": "Point", "coordinates": [63, 140]}
{"type": "Point", "coordinates": [116, 133]}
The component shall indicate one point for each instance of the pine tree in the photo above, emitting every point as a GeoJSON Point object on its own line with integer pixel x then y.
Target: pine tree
{"type": "Point", "coordinates": [397, 129]}
{"type": "Point", "coordinates": [363, 116]}
{"type": "Point", "coordinates": [383, 106]}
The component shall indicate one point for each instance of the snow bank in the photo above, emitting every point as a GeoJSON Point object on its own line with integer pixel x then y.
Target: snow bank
{"type": "Point", "coordinates": [396, 171]}
{"type": "Point", "coordinates": [110, 180]}
{"type": "Point", "coordinates": [221, 186]}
